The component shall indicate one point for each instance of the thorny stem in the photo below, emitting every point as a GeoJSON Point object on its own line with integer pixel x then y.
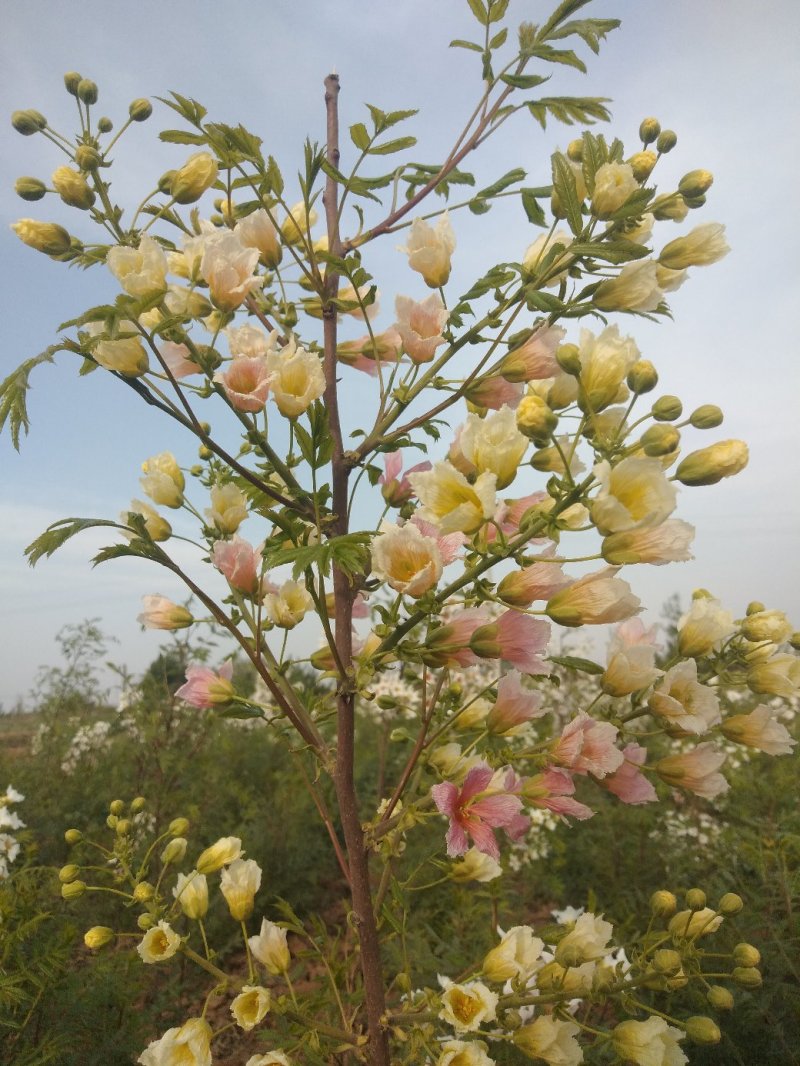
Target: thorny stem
{"type": "Point", "coordinates": [358, 862]}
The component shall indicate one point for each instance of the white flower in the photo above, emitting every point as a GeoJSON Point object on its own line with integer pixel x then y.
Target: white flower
{"type": "Point", "coordinates": [289, 605]}
{"type": "Point", "coordinates": [475, 866]}
{"type": "Point", "coordinates": [704, 627]}
{"type": "Point", "coordinates": [185, 1045]}
{"type": "Point", "coordinates": [683, 702]}
{"type": "Point", "coordinates": [633, 493]}
{"type": "Point", "coordinates": [550, 1040]}
{"type": "Point", "coordinates": [420, 325]}
{"type": "Point", "coordinates": [537, 252]}
{"type": "Point", "coordinates": [239, 883]}
{"type": "Point", "coordinates": [586, 941]}
{"type": "Point", "coordinates": [228, 268]}
{"type": "Point", "coordinates": [159, 943]}
{"type": "Point", "coordinates": [140, 271]}
{"type": "Point", "coordinates": [466, 1007]}
{"type": "Point", "coordinates": [614, 183]}
{"type": "Point", "coordinates": [517, 956]}
{"type": "Point", "coordinates": [494, 444]}
{"type": "Point", "coordinates": [635, 288]}
{"type": "Point", "coordinates": [464, 1053]}
{"type": "Point", "coordinates": [250, 1006]}
{"type": "Point", "coordinates": [605, 360]}
{"type": "Point", "coordinates": [429, 250]}
{"type": "Point", "coordinates": [648, 1043]}
{"type": "Point", "coordinates": [191, 891]}
{"type": "Point", "coordinates": [297, 378]}
{"type": "Point", "coordinates": [270, 947]}
{"type": "Point", "coordinates": [406, 559]}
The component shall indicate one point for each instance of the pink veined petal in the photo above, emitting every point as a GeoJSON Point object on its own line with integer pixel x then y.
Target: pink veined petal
{"type": "Point", "coordinates": [393, 464]}
{"type": "Point", "coordinates": [226, 670]}
{"type": "Point", "coordinates": [558, 781]}
{"type": "Point", "coordinates": [475, 781]}
{"type": "Point", "coordinates": [496, 810]}
{"type": "Point", "coordinates": [445, 796]}
{"type": "Point", "coordinates": [457, 842]}
{"type": "Point", "coordinates": [518, 826]}
{"type": "Point", "coordinates": [484, 839]}
{"type": "Point", "coordinates": [567, 806]}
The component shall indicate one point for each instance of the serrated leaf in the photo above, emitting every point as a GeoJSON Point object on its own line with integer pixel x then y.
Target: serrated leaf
{"type": "Point", "coordinates": [595, 154]}
{"type": "Point", "coordinates": [538, 300]}
{"type": "Point", "coordinates": [359, 135]}
{"type": "Point", "coordinates": [467, 44]}
{"type": "Point", "coordinates": [570, 109]}
{"type": "Point", "coordinates": [563, 56]}
{"type": "Point", "coordinates": [182, 137]}
{"type": "Point", "coordinates": [617, 251]}
{"type": "Point", "coordinates": [565, 187]}
{"type": "Point", "coordinates": [563, 11]}
{"type": "Point", "coordinates": [478, 9]}
{"type": "Point", "coordinates": [592, 31]}
{"type": "Point", "coordinates": [14, 393]}
{"type": "Point", "coordinates": [512, 177]}
{"type": "Point", "coordinates": [273, 177]}
{"type": "Point", "coordinates": [392, 118]}
{"type": "Point", "coordinates": [575, 662]}
{"type": "Point", "coordinates": [524, 81]}
{"type": "Point", "coordinates": [533, 209]}
{"type": "Point", "coordinates": [185, 106]}
{"type": "Point", "coordinates": [59, 533]}
{"type": "Point", "coordinates": [389, 147]}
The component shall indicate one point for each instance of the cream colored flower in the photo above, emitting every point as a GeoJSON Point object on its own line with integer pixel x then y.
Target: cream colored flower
{"type": "Point", "coordinates": [228, 508]}
{"type": "Point", "coordinates": [185, 1045]}
{"type": "Point", "coordinates": [197, 174]}
{"type": "Point", "coordinates": [420, 325]}
{"type": "Point", "coordinates": [157, 527]}
{"type": "Point", "coordinates": [630, 669]}
{"type": "Point", "coordinates": [587, 941]}
{"type": "Point", "coordinates": [635, 288]}
{"type": "Point", "coordinates": [475, 866]}
{"type": "Point", "coordinates": [551, 1041]}
{"type": "Point", "coordinates": [163, 481]}
{"type": "Point", "coordinates": [224, 851]}
{"type": "Point", "coordinates": [239, 883]}
{"type": "Point", "coordinates": [709, 465]}
{"type": "Point", "coordinates": [270, 947]}
{"type": "Point", "coordinates": [494, 444]}
{"type": "Point", "coordinates": [690, 925]}
{"type": "Point", "coordinates": [406, 559]}
{"type": "Point", "coordinates": [140, 271]}
{"type": "Point", "coordinates": [464, 1053]}
{"type": "Point", "coordinates": [605, 360]}
{"type": "Point", "coordinates": [696, 770]}
{"type": "Point", "coordinates": [191, 892]}
{"type": "Point", "coordinates": [466, 1007]}
{"type": "Point", "coordinates": [648, 1043]}
{"type": "Point", "coordinates": [297, 224]}
{"type": "Point", "coordinates": [537, 252]}
{"type": "Point", "coordinates": [125, 354]}
{"type": "Point", "coordinates": [759, 730]}
{"type": "Point", "coordinates": [666, 543]}
{"type": "Point", "coordinates": [161, 613]}
{"type": "Point", "coordinates": [777, 676]}
{"type": "Point", "coordinates": [595, 599]}
{"type": "Point", "coordinates": [159, 943]}
{"type": "Point", "coordinates": [449, 501]}
{"type": "Point", "coordinates": [683, 702]}
{"type": "Point", "coordinates": [250, 1006]}
{"type": "Point", "coordinates": [257, 231]}
{"type": "Point", "coordinates": [289, 605]}
{"type": "Point", "coordinates": [73, 188]}
{"type": "Point", "coordinates": [614, 183]}
{"type": "Point", "coordinates": [767, 625]}
{"type": "Point", "coordinates": [297, 378]}
{"type": "Point", "coordinates": [251, 341]}
{"type": "Point", "coordinates": [228, 268]}
{"type": "Point", "coordinates": [670, 280]}
{"type": "Point", "coordinates": [702, 246]}
{"type": "Point", "coordinates": [633, 493]}
{"type": "Point", "coordinates": [430, 248]}
{"type": "Point", "coordinates": [704, 627]}
{"type": "Point", "coordinates": [516, 957]}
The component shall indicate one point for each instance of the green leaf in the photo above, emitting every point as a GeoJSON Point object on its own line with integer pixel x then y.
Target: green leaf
{"type": "Point", "coordinates": [595, 154]}
{"type": "Point", "coordinates": [533, 209]}
{"type": "Point", "coordinates": [182, 137]}
{"type": "Point", "coordinates": [14, 393]}
{"type": "Point", "coordinates": [524, 81]}
{"type": "Point", "coordinates": [592, 31]}
{"type": "Point", "coordinates": [565, 187]}
{"type": "Point", "coordinates": [497, 8]}
{"type": "Point", "coordinates": [537, 300]}
{"type": "Point", "coordinates": [479, 207]}
{"type": "Point", "coordinates": [499, 39]}
{"type": "Point", "coordinates": [360, 137]}
{"type": "Point", "coordinates": [273, 177]}
{"type": "Point", "coordinates": [510, 178]}
{"type": "Point", "coordinates": [59, 533]}
{"type": "Point", "coordinates": [478, 9]}
{"type": "Point", "coordinates": [467, 44]}
{"type": "Point", "coordinates": [397, 145]}
{"type": "Point", "coordinates": [616, 251]}
{"type": "Point", "coordinates": [563, 11]}
{"type": "Point", "coordinates": [239, 710]}
{"type": "Point", "coordinates": [563, 56]}
{"type": "Point", "coordinates": [392, 118]}
{"type": "Point", "coordinates": [186, 107]}
{"type": "Point", "coordinates": [570, 109]}
{"type": "Point", "coordinates": [575, 662]}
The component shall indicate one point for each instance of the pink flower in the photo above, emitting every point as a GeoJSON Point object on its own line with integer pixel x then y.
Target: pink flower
{"type": "Point", "coordinates": [514, 705]}
{"type": "Point", "coordinates": [476, 809]}
{"type": "Point", "coordinates": [509, 515]}
{"type": "Point", "coordinates": [494, 393]}
{"type": "Point", "coordinates": [420, 326]}
{"type": "Point", "coordinates": [365, 354]}
{"type": "Point", "coordinates": [759, 730]}
{"type": "Point", "coordinates": [534, 360]}
{"type": "Point", "coordinates": [449, 545]}
{"type": "Point", "coordinates": [395, 486]}
{"type": "Point", "coordinates": [241, 565]}
{"type": "Point", "coordinates": [516, 638]}
{"type": "Point", "coordinates": [540, 581]}
{"type": "Point", "coordinates": [632, 633]}
{"type": "Point", "coordinates": [628, 783]}
{"type": "Point", "coordinates": [179, 360]}
{"type": "Point", "coordinates": [204, 688]}
{"type": "Point", "coordinates": [246, 382]}
{"type": "Point", "coordinates": [695, 770]}
{"type": "Point", "coordinates": [449, 645]}
{"type": "Point", "coordinates": [586, 746]}
{"type": "Point", "coordinates": [552, 790]}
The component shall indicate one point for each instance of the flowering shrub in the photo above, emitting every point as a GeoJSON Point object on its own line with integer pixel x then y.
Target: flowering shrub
{"type": "Point", "coordinates": [219, 315]}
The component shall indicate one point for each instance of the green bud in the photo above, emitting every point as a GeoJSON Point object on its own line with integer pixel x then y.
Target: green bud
{"type": "Point", "coordinates": [143, 892]}
{"type": "Point", "coordinates": [667, 409]}
{"type": "Point", "coordinates": [73, 890]}
{"type": "Point", "coordinates": [709, 465]}
{"type": "Point", "coordinates": [140, 110]}
{"type": "Point", "coordinates": [105, 125]}
{"type": "Point", "coordinates": [720, 998]}
{"type": "Point", "coordinates": [116, 806]}
{"type": "Point", "coordinates": [145, 921]}
{"type": "Point", "coordinates": [794, 640]}
{"type": "Point", "coordinates": [660, 440]}
{"type": "Point", "coordinates": [744, 976]}
{"type": "Point", "coordinates": [28, 122]}
{"type": "Point", "coordinates": [663, 904]}
{"type": "Point", "coordinates": [123, 827]}
{"type": "Point", "coordinates": [693, 202]}
{"type": "Point", "coordinates": [68, 873]}
{"type": "Point", "coordinates": [72, 80]}
{"type": "Point", "coordinates": [667, 962]}
{"type": "Point", "coordinates": [667, 140]}
{"type": "Point", "coordinates": [642, 377]}
{"type": "Point", "coordinates": [649, 130]}
{"type": "Point", "coordinates": [695, 899]}
{"type": "Point", "coordinates": [97, 937]}
{"type": "Point", "coordinates": [111, 821]}
{"type": "Point", "coordinates": [746, 955]}
{"type": "Point", "coordinates": [671, 208]}
{"type": "Point", "coordinates": [87, 91]}
{"type": "Point", "coordinates": [755, 607]}
{"type": "Point", "coordinates": [731, 903]}
{"type": "Point", "coordinates": [178, 827]}
{"type": "Point", "coordinates": [166, 180]}
{"type": "Point", "coordinates": [575, 151]}
{"type": "Point", "coordinates": [138, 804]}
{"type": "Point", "coordinates": [87, 157]}
{"type": "Point", "coordinates": [174, 851]}
{"type": "Point", "coordinates": [702, 1030]}
{"type": "Point", "coordinates": [708, 416]}
{"type": "Point", "coordinates": [73, 836]}
{"type": "Point", "coordinates": [695, 183]}
{"type": "Point", "coordinates": [30, 188]}
{"type": "Point", "coordinates": [203, 452]}
{"type": "Point", "coordinates": [568, 357]}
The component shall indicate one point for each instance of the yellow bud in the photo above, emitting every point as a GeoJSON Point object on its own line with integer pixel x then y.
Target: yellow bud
{"type": "Point", "coordinates": [73, 836]}
{"type": "Point", "coordinates": [111, 821]}
{"type": "Point", "coordinates": [73, 890]}
{"type": "Point", "coordinates": [642, 164]}
{"type": "Point", "coordinates": [140, 110]}
{"type": "Point", "coordinates": [667, 140]}
{"type": "Point", "coordinates": [667, 409]}
{"type": "Point", "coordinates": [695, 183]}
{"type": "Point", "coordinates": [642, 377]}
{"type": "Point", "coordinates": [123, 827]}
{"type": "Point", "coordinates": [568, 358]}
{"type": "Point", "coordinates": [145, 921]}
{"type": "Point", "coordinates": [575, 151]}
{"type": "Point", "coordinates": [87, 91]}
{"type": "Point", "coordinates": [197, 174]}
{"type": "Point", "coordinates": [138, 804]}
{"type": "Point", "coordinates": [702, 1030]}
{"type": "Point", "coordinates": [68, 873]}
{"type": "Point", "coordinates": [667, 962]}
{"type": "Point", "coordinates": [71, 82]}
{"type": "Point", "coordinates": [28, 122]}
{"type": "Point", "coordinates": [534, 418]}
{"type": "Point", "coordinates": [98, 936]}
{"type": "Point", "coordinates": [178, 827]}
{"type": "Point", "coordinates": [747, 977]}
{"type": "Point", "coordinates": [710, 465]}
{"type": "Point", "coordinates": [695, 899]}
{"type": "Point", "coordinates": [47, 237]}
{"type": "Point", "coordinates": [649, 130]}
{"type": "Point", "coordinates": [105, 125]}
{"type": "Point", "coordinates": [174, 851]}
{"type": "Point", "coordinates": [72, 187]}
{"type": "Point", "coordinates": [116, 807]}
{"type": "Point", "coordinates": [30, 188]}
{"type": "Point", "coordinates": [708, 416]}
{"type": "Point", "coordinates": [755, 607]}
{"type": "Point", "coordinates": [88, 158]}
{"type": "Point", "coordinates": [746, 955]}
{"type": "Point", "coordinates": [144, 892]}
{"type": "Point", "coordinates": [663, 903]}
{"type": "Point", "coordinates": [731, 903]}
{"type": "Point", "coordinates": [719, 998]}
{"type": "Point", "coordinates": [660, 440]}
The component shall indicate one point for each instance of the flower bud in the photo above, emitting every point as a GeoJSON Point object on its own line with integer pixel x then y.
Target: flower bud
{"type": "Point", "coordinates": [225, 851]}
{"type": "Point", "coordinates": [174, 851]}
{"type": "Point", "coordinates": [649, 130]}
{"type": "Point", "coordinates": [642, 377]}
{"type": "Point", "coordinates": [166, 180]}
{"type": "Point", "coordinates": [140, 110]}
{"type": "Point", "coordinates": [708, 416]}
{"type": "Point", "coordinates": [28, 122]}
{"type": "Point", "coordinates": [663, 903]}
{"type": "Point", "coordinates": [534, 418]}
{"type": "Point", "coordinates": [755, 607]}
{"type": "Point", "coordinates": [702, 1030]}
{"type": "Point", "coordinates": [111, 821]}
{"type": "Point", "coordinates": [73, 890]}
{"type": "Point", "coordinates": [575, 151]}
{"type": "Point", "coordinates": [178, 827]}
{"type": "Point", "coordinates": [746, 955]}
{"type": "Point", "coordinates": [123, 827]}
{"type": "Point", "coordinates": [695, 899]}
{"type": "Point", "coordinates": [666, 141]}
{"type": "Point", "coordinates": [86, 91]}
{"type": "Point", "coordinates": [197, 174]}
{"type": "Point", "coordinates": [47, 237]}
{"type": "Point", "coordinates": [693, 202]}
{"type": "Point", "coordinates": [116, 807]}
{"type": "Point", "coordinates": [719, 998]}
{"type": "Point", "coordinates": [73, 188]}
{"type": "Point", "coordinates": [98, 936]}
{"type": "Point", "coordinates": [68, 873]}
{"type": "Point", "coordinates": [667, 961]}
{"type": "Point", "coordinates": [145, 921]}
{"type": "Point", "coordinates": [660, 440]}
{"type": "Point", "coordinates": [695, 183]}
{"type": "Point", "coordinates": [144, 892]}
{"type": "Point", "coordinates": [731, 903]}
{"type": "Point", "coordinates": [73, 836]}
{"type": "Point", "coordinates": [710, 465]}
{"type": "Point", "coordinates": [642, 164]}
{"type": "Point", "coordinates": [105, 125]}
{"type": "Point", "coordinates": [30, 188]}
{"type": "Point", "coordinates": [72, 80]}
{"type": "Point", "coordinates": [747, 977]}
{"type": "Point", "coordinates": [87, 157]}
{"type": "Point", "coordinates": [667, 409]}
{"type": "Point", "coordinates": [568, 357]}
{"type": "Point", "coordinates": [138, 804]}
{"type": "Point", "coordinates": [669, 208]}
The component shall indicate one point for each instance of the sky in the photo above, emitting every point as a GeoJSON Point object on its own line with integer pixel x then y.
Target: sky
{"type": "Point", "coordinates": [722, 74]}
